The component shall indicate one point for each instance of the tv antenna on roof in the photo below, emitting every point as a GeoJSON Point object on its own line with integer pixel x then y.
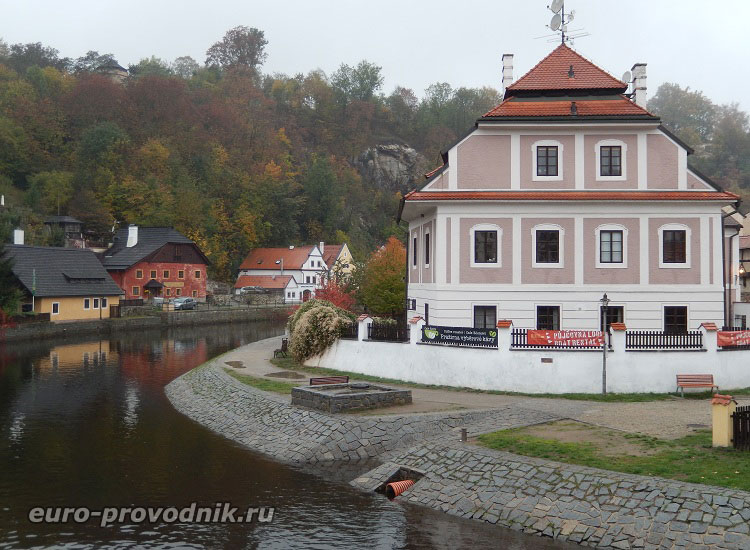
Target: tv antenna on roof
{"type": "Point", "coordinates": [560, 21]}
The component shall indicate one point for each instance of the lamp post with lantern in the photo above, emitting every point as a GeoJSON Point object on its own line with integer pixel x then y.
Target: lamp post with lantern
{"type": "Point", "coordinates": [605, 303]}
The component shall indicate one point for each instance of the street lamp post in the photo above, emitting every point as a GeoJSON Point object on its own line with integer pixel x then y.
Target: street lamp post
{"type": "Point", "coordinates": [605, 304]}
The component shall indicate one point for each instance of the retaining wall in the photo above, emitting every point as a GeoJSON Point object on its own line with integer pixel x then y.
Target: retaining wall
{"type": "Point", "coordinates": [534, 371]}
{"type": "Point", "coordinates": [155, 321]}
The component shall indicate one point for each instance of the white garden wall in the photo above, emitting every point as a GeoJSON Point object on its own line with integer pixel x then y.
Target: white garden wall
{"type": "Point", "coordinates": [523, 371]}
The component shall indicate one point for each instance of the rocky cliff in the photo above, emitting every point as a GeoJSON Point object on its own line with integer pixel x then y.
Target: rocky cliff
{"type": "Point", "coordinates": [391, 166]}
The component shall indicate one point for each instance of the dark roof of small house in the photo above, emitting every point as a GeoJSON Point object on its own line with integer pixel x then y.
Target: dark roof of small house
{"type": "Point", "coordinates": [61, 271]}
{"type": "Point", "coordinates": [150, 239]}
{"type": "Point", "coordinates": [62, 219]}
{"type": "Point", "coordinates": [153, 284]}
{"type": "Point", "coordinates": [111, 65]}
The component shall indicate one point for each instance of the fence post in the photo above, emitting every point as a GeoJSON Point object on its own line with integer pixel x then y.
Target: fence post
{"type": "Point", "coordinates": [364, 321]}
{"type": "Point", "coordinates": [504, 329]}
{"type": "Point", "coordinates": [709, 331]}
{"type": "Point", "coordinates": [618, 336]}
{"type": "Point", "coordinates": [722, 409]}
{"type": "Point", "coordinates": [415, 333]}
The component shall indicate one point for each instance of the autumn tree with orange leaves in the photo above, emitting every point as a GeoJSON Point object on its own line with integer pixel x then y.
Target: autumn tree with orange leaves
{"type": "Point", "coordinates": [383, 288]}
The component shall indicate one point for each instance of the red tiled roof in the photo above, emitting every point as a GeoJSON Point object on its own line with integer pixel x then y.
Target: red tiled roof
{"type": "Point", "coordinates": [504, 323]}
{"type": "Point", "coordinates": [265, 258]}
{"type": "Point", "coordinates": [551, 73]}
{"type": "Point", "coordinates": [517, 107]}
{"type": "Point", "coordinates": [618, 326]}
{"type": "Point", "coordinates": [718, 399]}
{"type": "Point", "coordinates": [710, 326]}
{"type": "Point", "coordinates": [331, 253]}
{"type": "Point", "coordinates": [263, 281]}
{"type": "Point", "coordinates": [363, 317]}
{"type": "Point", "coordinates": [414, 320]}
{"type": "Point", "coordinates": [570, 196]}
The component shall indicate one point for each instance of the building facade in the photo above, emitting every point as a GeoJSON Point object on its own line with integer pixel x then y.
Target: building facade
{"type": "Point", "coordinates": [67, 283]}
{"type": "Point", "coordinates": [304, 264]}
{"type": "Point", "coordinates": [567, 190]}
{"type": "Point", "coordinates": [148, 262]}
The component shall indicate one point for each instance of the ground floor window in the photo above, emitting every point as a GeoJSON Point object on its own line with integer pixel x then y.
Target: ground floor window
{"type": "Point", "coordinates": [615, 314]}
{"type": "Point", "coordinates": [55, 308]}
{"type": "Point", "coordinates": [675, 319]}
{"type": "Point", "coordinates": [96, 303]}
{"type": "Point", "coordinates": [178, 291]}
{"type": "Point", "coordinates": [548, 317]}
{"type": "Point", "coordinates": [427, 313]}
{"type": "Point", "coordinates": [104, 303]}
{"type": "Point", "coordinates": [136, 291]}
{"type": "Point", "coordinates": [485, 316]}
{"type": "Point", "coordinates": [195, 294]}
{"type": "Point", "coordinates": [740, 321]}
{"type": "Point", "coordinates": [86, 303]}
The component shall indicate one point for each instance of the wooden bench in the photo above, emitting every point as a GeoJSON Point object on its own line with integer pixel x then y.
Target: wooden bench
{"type": "Point", "coordinates": [283, 349]}
{"type": "Point", "coordinates": [695, 381]}
{"type": "Point", "coordinates": [329, 380]}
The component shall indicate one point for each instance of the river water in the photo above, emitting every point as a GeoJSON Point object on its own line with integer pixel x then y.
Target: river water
{"type": "Point", "coordinates": [85, 423]}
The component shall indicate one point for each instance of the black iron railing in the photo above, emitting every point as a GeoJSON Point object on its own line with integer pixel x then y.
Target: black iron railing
{"type": "Point", "coordinates": [741, 425]}
{"type": "Point", "coordinates": [388, 332]}
{"type": "Point", "coordinates": [659, 339]}
{"type": "Point", "coordinates": [349, 331]}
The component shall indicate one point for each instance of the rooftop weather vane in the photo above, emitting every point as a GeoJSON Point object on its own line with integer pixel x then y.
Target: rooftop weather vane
{"type": "Point", "coordinates": [560, 21]}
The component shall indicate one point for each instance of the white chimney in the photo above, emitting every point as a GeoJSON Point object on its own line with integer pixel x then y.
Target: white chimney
{"type": "Point", "coordinates": [507, 71]}
{"type": "Point", "coordinates": [2, 200]}
{"type": "Point", "coordinates": [132, 236]}
{"type": "Point", "coordinates": [18, 236]}
{"type": "Point", "coordinates": [639, 84]}
{"type": "Point", "coordinates": [322, 247]}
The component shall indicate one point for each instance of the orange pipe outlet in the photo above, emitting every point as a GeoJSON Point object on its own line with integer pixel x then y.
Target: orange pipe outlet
{"type": "Point", "coordinates": [392, 490]}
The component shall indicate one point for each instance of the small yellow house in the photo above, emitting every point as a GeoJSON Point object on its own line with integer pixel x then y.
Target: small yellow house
{"type": "Point", "coordinates": [338, 258]}
{"type": "Point", "coordinates": [68, 283]}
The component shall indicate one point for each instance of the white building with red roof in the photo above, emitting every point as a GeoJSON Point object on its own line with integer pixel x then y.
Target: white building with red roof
{"type": "Point", "coordinates": [569, 189]}
{"type": "Point", "coordinates": [301, 270]}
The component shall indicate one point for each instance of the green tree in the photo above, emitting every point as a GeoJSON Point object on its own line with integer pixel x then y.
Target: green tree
{"type": "Point", "coordinates": [383, 288]}
{"type": "Point", "coordinates": [10, 293]}
{"type": "Point", "coordinates": [357, 83]}
{"type": "Point", "coordinates": [150, 66]}
{"type": "Point", "coordinates": [90, 62]}
{"type": "Point", "coordinates": [241, 47]}
{"type": "Point", "coordinates": [54, 188]}
{"type": "Point", "coordinates": [185, 67]}
{"type": "Point", "coordinates": [688, 113]}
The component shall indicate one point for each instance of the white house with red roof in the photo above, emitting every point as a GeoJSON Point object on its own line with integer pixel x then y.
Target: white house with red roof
{"type": "Point", "coordinates": [301, 269]}
{"type": "Point", "coordinates": [567, 190]}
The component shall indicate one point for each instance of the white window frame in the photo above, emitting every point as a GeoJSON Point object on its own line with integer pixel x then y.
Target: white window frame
{"type": "Point", "coordinates": [427, 250]}
{"type": "Point", "coordinates": [674, 304]}
{"type": "Point", "coordinates": [472, 245]}
{"type": "Point", "coordinates": [415, 250]}
{"type": "Point", "coordinates": [496, 305]}
{"type": "Point", "coordinates": [547, 143]}
{"type": "Point", "coordinates": [623, 156]}
{"type": "Point", "coordinates": [86, 304]}
{"type": "Point", "coordinates": [612, 227]}
{"type": "Point", "coordinates": [561, 255]}
{"type": "Point", "coordinates": [674, 227]}
{"type": "Point", "coordinates": [103, 303]}
{"type": "Point", "coordinates": [52, 308]}
{"type": "Point", "coordinates": [96, 304]}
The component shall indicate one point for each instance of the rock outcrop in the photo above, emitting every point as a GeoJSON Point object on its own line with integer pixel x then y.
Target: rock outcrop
{"type": "Point", "coordinates": [391, 166]}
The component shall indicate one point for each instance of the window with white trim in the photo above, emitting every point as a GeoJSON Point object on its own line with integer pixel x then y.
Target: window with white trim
{"type": "Point", "coordinates": [427, 249]}
{"type": "Point", "coordinates": [548, 317]}
{"type": "Point", "coordinates": [86, 303]}
{"type": "Point", "coordinates": [55, 308]}
{"type": "Point", "coordinates": [546, 158]}
{"type": "Point", "coordinates": [674, 246]}
{"type": "Point", "coordinates": [485, 245]}
{"type": "Point", "coordinates": [485, 316]}
{"type": "Point", "coordinates": [612, 249]}
{"type": "Point", "coordinates": [96, 303]}
{"type": "Point", "coordinates": [611, 155]}
{"type": "Point", "coordinates": [547, 246]}
{"type": "Point", "coordinates": [414, 252]}
{"type": "Point", "coordinates": [104, 303]}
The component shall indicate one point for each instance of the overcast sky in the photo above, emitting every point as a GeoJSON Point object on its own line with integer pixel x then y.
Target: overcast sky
{"type": "Point", "coordinates": [703, 45]}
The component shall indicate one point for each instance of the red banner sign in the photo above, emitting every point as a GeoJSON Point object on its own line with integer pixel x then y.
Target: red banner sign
{"type": "Point", "coordinates": [572, 338]}
{"type": "Point", "coordinates": [733, 338]}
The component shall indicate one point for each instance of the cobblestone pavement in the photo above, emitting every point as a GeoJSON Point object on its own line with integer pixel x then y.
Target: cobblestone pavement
{"type": "Point", "coordinates": [269, 424]}
{"type": "Point", "coordinates": [582, 505]}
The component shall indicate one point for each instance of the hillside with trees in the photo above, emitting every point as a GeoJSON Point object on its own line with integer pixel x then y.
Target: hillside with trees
{"type": "Point", "coordinates": [237, 158]}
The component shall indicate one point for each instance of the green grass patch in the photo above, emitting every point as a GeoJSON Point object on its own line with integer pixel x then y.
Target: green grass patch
{"type": "Point", "coordinates": [291, 364]}
{"type": "Point", "coordinates": [262, 383]}
{"type": "Point", "coordinates": [690, 458]}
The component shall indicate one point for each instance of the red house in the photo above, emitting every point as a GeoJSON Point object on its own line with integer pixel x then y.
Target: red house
{"type": "Point", "coordinates": [156, 261]}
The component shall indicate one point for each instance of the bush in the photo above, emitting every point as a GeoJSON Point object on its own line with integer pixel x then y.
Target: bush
{"type": "Point", "coordinates": [314, 327]}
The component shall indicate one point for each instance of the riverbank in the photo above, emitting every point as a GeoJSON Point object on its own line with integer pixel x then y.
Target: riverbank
{"type": "Point", "coordinates": [159, 320]}
{"type": "Point", "coordinates": [567, 502]}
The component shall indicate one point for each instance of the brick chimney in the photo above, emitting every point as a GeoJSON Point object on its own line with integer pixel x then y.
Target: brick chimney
{"type": "Point", "coordinates": [639, 84]}
{"type": "Point", "coordinates": [507, 70]}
